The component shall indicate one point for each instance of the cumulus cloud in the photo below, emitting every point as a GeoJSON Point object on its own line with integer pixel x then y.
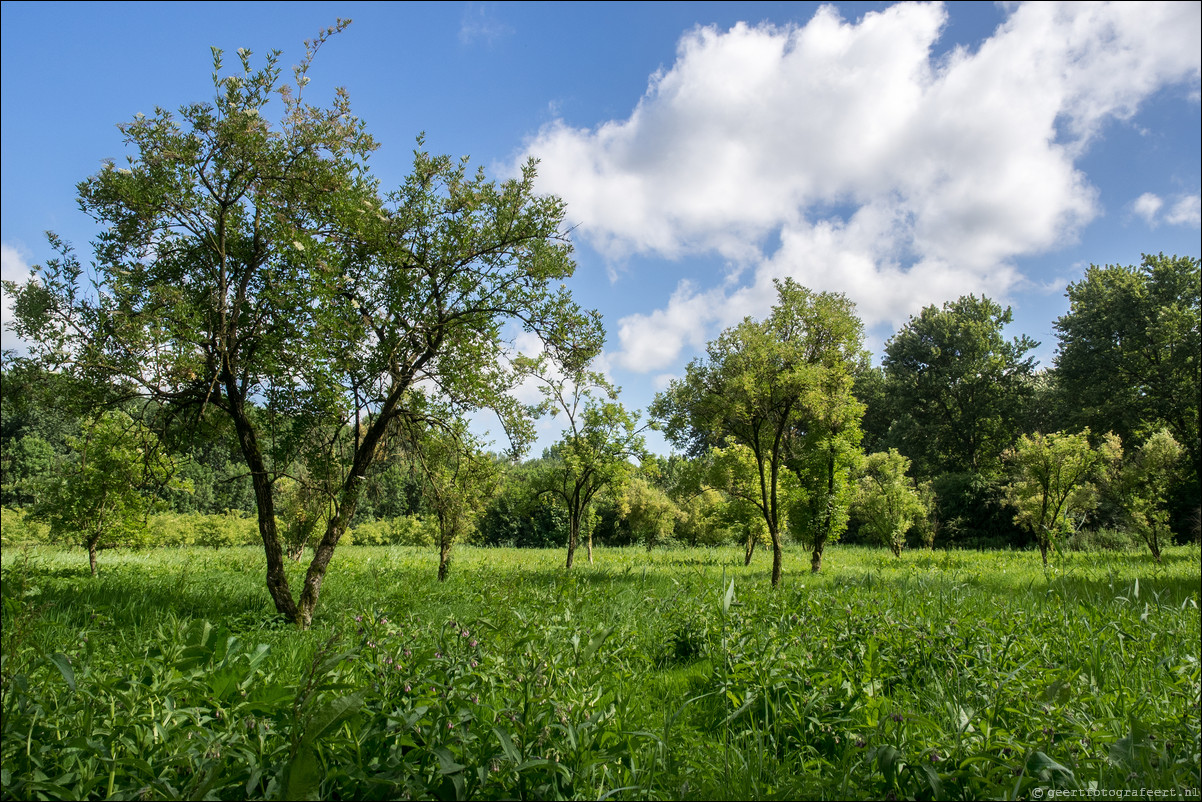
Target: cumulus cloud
{"type": "Point", "coordinates": [1147, 206]}
{"type": "Point", "coordinates": [1185, 211]}
{"type": "Point", "coordinates": [882, 169]}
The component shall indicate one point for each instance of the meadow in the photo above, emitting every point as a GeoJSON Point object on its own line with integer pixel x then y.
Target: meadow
{"type": "Point", "coordinates": [677, 673]}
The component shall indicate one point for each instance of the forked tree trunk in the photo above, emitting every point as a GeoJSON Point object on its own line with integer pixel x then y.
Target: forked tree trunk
{"type": "Point", "coordinates": [749, 549]}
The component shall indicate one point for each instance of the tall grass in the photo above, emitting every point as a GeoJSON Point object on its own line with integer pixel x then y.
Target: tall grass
{"type": "Point", "coordinates": [678, 673]}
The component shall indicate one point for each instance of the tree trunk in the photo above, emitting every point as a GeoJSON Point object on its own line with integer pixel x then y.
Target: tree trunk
{"type": "Point", "coordinates": [589, 543]}
{"type": "Point", "coordinates": [573, 533]}
{"type": "Point", "coordinates": [92, 556]}
{"type": "Point", "coordinates": [750, 548]}
{"type": "Point", "coordinates": [816, 560]}
{"type": "Point", "coordinates": [277, 580]}
{"type": "Point", "coordinates": [444, 562]}
{"type": "Point", "coordinates": [777, 558]}
{"type": "Point", "coordinates": [1043, 552]}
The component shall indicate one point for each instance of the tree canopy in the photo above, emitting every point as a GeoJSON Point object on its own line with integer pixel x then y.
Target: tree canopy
{"type": "Point", "coordinates": [957, 386]}
{"type": "Point", "coordinates": [782, 389]}
{"type": "Point", "coordinates": [1130, 354]}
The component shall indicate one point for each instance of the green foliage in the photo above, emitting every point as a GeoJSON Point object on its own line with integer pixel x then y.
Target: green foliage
{"type": "Point", "coordinates": [1054, 482]}
{"type": "Point", "coordinates": [957, 388]}
{"type": "Point", "coordinates": [405, 530]}
{"type": "Point", "coordinates": [102, 498]}
{"type": "Point", "coordinates": [1148, 480]}
{"type": "Point", "coordinates": [648, 511]}
{"type": "Point", "coordinates": [782, 389]}
{"type": "Point", "coordinates": [887, 499]}
{"type": "Point", "coordinates": [17, 528]}
{"type": "Point", "coordinates": [599, 441]}
{"type": "Point", "coordinates": [1128, 360]}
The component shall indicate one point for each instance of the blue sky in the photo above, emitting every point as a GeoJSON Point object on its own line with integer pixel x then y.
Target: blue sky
{"type": "Point", "coordinates": [904, 155]}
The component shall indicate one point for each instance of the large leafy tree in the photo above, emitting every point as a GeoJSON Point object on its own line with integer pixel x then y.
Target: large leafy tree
{"type": "Point", "coordinates": [781, 388]}
{"type": "Point", "coordinates": [958, 387]}
{"type": "Point", "coordinates": [254, 271]}
{"type": "Point", "coordinates": [1130, 354]}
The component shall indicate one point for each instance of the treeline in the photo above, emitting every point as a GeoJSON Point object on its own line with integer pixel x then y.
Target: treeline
{"type": "Point", "coordinates": [940, 433]}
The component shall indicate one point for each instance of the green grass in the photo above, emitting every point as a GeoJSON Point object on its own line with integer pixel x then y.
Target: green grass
{"type": "Point", "coordinates": [958, 675]}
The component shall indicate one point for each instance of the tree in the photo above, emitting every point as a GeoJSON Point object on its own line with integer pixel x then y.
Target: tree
{"type": "Point", "coordinates": [958, 387]}
{"type": "Point", "coordinates": [887, 499]}
{"type": "Point", "coordinates": [595, 452]}
{"type": "Point", "coordinates": [782, 389]}
{"type": "Point", "coordinates": [256, 273]}
{"type": "Point", "coordinates": [1130, 352]}
{"type": "Point", "coordinates": [1148, 481]}
{"type": "Point", "coordinates": [459, 477]}
{"type": "Point", "coordinates": [1054, 480]}
{"type": "Point", "coordinates": [737, 473]}
{"type": "Point", "coordinates": [648, 511]}
{"type": "Point", "coordinates": [103, 496]}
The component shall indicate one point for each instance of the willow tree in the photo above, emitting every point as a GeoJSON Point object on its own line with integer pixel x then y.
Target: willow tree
{"type": "Point", "coordinates": [254, 269]}
{"type": "Point", "coordinates": [781, 387]}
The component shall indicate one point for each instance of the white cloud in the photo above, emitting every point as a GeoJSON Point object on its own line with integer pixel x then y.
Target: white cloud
{"type": "Point", "coordinates": [14, 266]}
{"type": "Point", "coordinates": [894, 175]}
{"type": "Point", "coordinates": [1147, 206]}
{"type": "Point", "coordinates": [1186, 212]}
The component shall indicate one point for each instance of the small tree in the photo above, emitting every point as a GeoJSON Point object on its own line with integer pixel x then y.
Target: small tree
{"type": "Point", "coordinates": [595, 451]}
{"type": "Point", "coordinates": [1148, 480]}
{"type": "Point", "coordinates": [887, 499]}
{"type": "Point", "coordinates": [648, 511]}
{"type": "Point", "coordinates": [102, 497]}
{"type": "Point", "coordinates": [460, 479]}
{"type": "Point", "coordinates": [1053, 480]}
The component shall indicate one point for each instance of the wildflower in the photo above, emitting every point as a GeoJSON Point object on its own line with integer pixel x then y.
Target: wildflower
{"type": "Point", "coordinates": [473, 643]}
{"type": "Point", "coordinates": [407, 688]}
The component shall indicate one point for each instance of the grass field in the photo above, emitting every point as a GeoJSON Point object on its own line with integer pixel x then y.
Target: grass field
{"type": "Point", "coordinates": [671, 674]}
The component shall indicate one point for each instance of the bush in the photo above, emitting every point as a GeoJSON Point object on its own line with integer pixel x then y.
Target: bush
{"type": "Point", "coordinates": [1103, 539]}
{"type": "Point", "coordinates": [404, 530]}
{"type": "Point", "coordinates": [16, 529]}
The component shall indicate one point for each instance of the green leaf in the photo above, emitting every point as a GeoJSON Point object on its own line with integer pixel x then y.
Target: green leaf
{"type": "Point", "coordinates": [64, 666]}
